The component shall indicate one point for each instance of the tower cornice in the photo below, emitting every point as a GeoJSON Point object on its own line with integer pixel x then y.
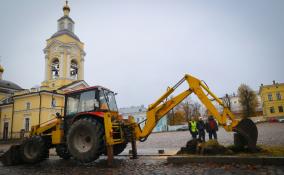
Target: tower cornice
{"type": "Point", "coordinates": [61, 44]}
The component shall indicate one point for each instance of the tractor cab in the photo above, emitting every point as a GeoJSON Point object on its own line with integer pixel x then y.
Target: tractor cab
{"type": "Point", "coordinates": [93, 99]}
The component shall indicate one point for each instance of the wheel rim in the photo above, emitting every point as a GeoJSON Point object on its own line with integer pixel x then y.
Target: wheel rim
{"type": "Point", "coordinates": [31, 150]}
{"type": "Point", "coordinates": [83, 141]}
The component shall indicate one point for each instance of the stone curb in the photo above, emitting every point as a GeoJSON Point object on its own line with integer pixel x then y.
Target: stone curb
{"type": "Point", "coordinates": [227, 160]}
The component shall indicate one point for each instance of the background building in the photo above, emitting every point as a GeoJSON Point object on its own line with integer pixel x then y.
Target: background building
{"type": "Point", "coordinates": [236, 108]}
{"type": "Point", "coordinates": [7, 89]}
{"type": "Point", "coordinates": [272, 100]}
{"type": "Point", "coordinates": [64, 71]}
{"type": "Point", "coordinates": [139, 114]}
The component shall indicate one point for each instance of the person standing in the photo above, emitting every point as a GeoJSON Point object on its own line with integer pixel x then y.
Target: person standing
{"type": "Point", "coordinates": [192, 126]}
{"type": "Point", "coordinates": [201, 129]}
{"type": "Point", "coordinates": [212, 127]}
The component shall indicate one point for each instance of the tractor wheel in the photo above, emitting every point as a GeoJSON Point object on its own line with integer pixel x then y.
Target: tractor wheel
{"type": "Point", "coordinates": [33, 150]}
{"type": "Point", "coordinates": [85, 140]}
{"type": "Point", "coordinates": [46, 154]}
{"type": "Point", "coordinates": [62, 151]}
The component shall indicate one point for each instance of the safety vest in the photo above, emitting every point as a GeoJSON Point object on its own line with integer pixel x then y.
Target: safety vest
{"type": "Point", "coordinates": [193, 125]}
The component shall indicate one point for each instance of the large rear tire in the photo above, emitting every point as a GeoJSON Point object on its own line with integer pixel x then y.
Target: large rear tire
{"type": "Point", "coordinates": [85, 140]}
{"type": "Point", "coordinates": [33, 150]}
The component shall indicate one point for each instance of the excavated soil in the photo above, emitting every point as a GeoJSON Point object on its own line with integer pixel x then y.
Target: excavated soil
{"type": "Point", "coordinates": [212, 147]}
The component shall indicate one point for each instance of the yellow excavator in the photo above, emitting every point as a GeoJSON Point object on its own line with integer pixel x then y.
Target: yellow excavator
{"type": "Point", "coordinates": [91, 125]}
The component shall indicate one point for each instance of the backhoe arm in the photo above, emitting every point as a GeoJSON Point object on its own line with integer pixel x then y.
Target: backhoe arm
{"type": "Point", "coordinates": [199, 88]}
{"type": "Point", "coordinates": [162, 106]}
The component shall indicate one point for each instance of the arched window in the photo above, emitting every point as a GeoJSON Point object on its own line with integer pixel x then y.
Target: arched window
{"type": "Point", "coordinates": [74, 70]}
{"type": "Point", "coordinates": [70, 26]}
{"type": "Point", "coordinates": [55, 68]}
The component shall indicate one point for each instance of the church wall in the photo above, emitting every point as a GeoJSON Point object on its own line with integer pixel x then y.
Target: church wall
{"type": "Point", "coordinates": [26, 106]}
{"type": "Point", "coordinates": [39, 110]}
{"type": "Point", "coordinates": [6, 116]}
{"type": "Point", "coordinates": [49, 109]}
{"type": "Point", "coordinates": [3, 95]}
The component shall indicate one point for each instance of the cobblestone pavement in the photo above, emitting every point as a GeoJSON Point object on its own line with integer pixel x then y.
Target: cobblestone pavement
{"type": "Point", "coordinates": [269, 133]}
{"type": "Point", "coordinates": [142, 166]}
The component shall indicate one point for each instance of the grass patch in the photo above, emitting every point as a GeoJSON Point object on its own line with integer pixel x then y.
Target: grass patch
{"type": "Point", "coordinates": [212, 147]}
{"type": "Point", "coordinates": [262, 150]}
{"type": "Point", "coordinates": [277, 151]}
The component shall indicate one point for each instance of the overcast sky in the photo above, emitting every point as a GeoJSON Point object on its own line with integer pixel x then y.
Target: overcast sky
{"type": "Point", "coordinates": [138, 48]}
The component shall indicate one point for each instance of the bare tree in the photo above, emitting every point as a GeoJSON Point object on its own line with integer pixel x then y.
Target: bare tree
{"type": "Point", "coordinates": [179, 117]}
{"type": "Point", "coordinates": [248, 100]}
{"type": "Point", "coordinates": [186, 106]}
{"type": "Point", "coordinates": [195, 109]}
{"type": "Point", "coordinates": [203, 111]}
{"type": "Point", "coordinates": [171, 115]}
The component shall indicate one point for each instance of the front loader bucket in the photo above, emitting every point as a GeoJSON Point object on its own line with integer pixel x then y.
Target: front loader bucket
{"type": "Point", "coordinates": [12, 156]}
{"type": "Point", "coordinates": [246, 134]}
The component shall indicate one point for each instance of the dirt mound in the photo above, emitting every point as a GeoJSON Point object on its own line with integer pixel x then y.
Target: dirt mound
{"type": "Point", "coordinates": [190, 148]}
{"type": "Point", "coordinates": [211, 147]}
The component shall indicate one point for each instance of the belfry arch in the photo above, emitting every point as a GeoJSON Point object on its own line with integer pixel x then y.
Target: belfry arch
{"type": "Point", "coordinates": [55, 68]}
{"type": "Point", "coordinates": [74, 69]}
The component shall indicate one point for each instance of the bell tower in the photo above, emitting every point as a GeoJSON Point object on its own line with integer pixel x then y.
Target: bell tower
{"type": "Point", "coordinates": [64, 54]}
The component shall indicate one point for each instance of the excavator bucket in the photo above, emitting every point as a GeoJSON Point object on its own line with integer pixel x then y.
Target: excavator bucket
{"type": "Point", "coordinates": [12, 156]}
{"type": "Point", "coordinates": [246, 134]}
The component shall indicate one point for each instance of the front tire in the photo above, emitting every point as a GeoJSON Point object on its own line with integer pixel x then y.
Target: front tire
{"type": "Point", "coordinates": [33, 150]}
{"type": "Point", "coordinates": [85, 140]}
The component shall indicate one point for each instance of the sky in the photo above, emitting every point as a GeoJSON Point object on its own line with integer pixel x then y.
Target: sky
{"type": "Point", "coordinates": [138, 48]}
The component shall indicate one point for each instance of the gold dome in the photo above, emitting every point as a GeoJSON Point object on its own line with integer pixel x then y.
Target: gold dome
{"type": "Point", "coordinates": [66, 9]}
{"type": "Point", "coordinates": [1, 69]}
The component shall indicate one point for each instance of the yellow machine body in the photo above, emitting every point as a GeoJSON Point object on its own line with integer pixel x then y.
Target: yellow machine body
{"type": "Point", "coordinates": [118, 131]}
{"type": "Point", "coordinates": [155, 112]}
{"type": "Point", "coordinates": [162, 106]}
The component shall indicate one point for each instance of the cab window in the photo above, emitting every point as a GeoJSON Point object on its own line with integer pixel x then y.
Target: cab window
{"type": "Point", "coordinates": [83, 102]}
{"type": "Point", "coordinates": [72, 104]}
{"type": "Point", "coordinates": [87, 101]}
{"type": "Point", "coordinates": [103, 101]}
{"type": "Point", "coordinates": [111, 100]}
